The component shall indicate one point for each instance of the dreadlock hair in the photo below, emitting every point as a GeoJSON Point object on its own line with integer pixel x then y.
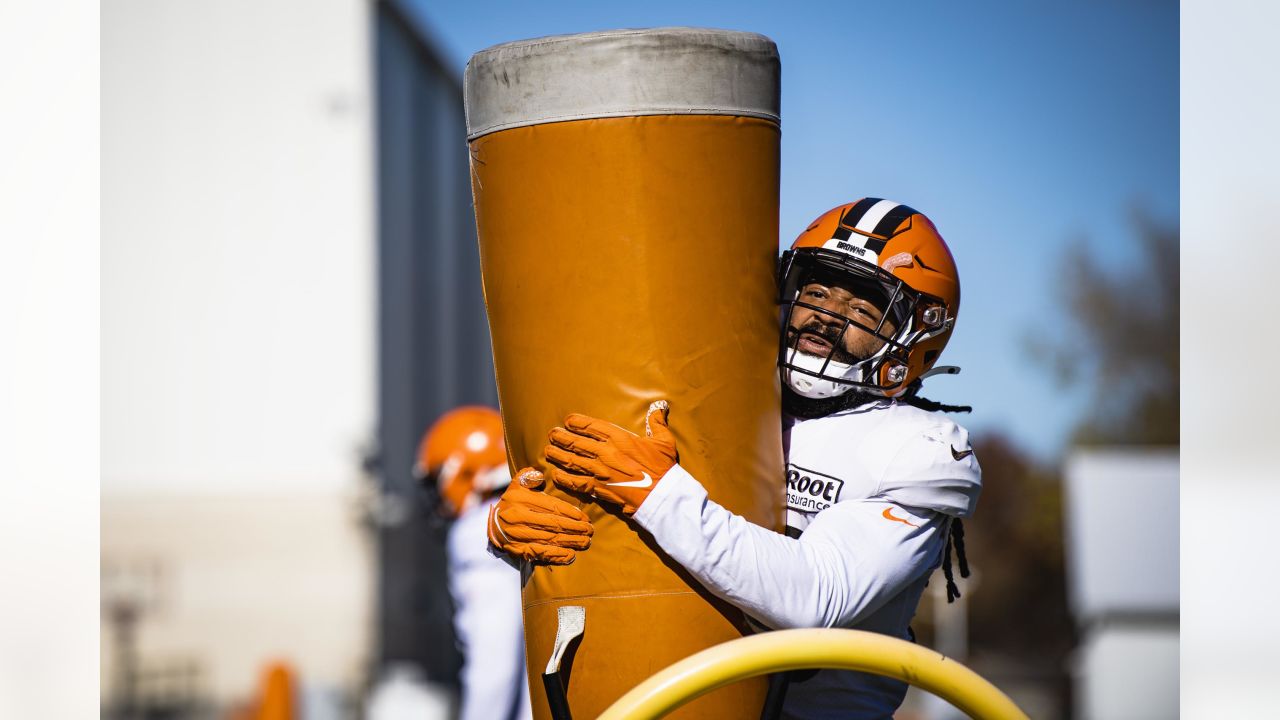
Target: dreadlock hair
{"type": "Point", "coordinates": [955, 535]}
{"type": "Point", "coordinates": [911, 397]}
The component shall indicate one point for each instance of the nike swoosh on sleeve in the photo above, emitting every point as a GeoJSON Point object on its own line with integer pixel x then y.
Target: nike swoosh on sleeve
{"type": "Point", "coordinates": [888, 515]}
{"type": "Point", "coordinates": [643, 483]}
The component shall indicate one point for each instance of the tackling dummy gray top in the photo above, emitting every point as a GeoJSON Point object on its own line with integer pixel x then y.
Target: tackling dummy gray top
{"type": "Point", "coordinates": [616, 73]}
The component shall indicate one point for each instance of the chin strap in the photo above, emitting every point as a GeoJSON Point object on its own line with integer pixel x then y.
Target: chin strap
{"type": "Point", "coordinates": [912, 395]}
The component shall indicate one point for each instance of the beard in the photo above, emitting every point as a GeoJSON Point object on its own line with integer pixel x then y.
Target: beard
{"type": "Point", "coordinates": [798, 406]}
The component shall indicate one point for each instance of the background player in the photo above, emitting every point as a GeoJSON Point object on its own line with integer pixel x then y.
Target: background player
{"type": "Point", "coordinates": [462, 460]}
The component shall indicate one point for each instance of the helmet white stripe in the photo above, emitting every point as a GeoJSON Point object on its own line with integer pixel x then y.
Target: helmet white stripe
{"type": "Point", "coordinates": [873, 216]}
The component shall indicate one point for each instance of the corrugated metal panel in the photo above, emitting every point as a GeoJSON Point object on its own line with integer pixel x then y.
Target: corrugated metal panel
{"type": "Point", "coordinates": [434, 351]}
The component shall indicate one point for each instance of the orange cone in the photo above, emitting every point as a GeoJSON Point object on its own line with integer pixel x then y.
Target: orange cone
{"type": "Point", "coordinates": [276, 691]}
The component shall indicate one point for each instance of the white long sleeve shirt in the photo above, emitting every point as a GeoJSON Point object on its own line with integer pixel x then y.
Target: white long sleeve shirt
{"type": "Point", "coordinates": [486, 598]}
{"type": "Point", "coordinates": [870, 494]}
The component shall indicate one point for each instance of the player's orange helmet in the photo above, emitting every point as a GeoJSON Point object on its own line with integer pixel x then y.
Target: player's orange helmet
{"type": "Point", "coordinates": [464, 455]}
{"type": "Point", "coordinates": [881, 248]}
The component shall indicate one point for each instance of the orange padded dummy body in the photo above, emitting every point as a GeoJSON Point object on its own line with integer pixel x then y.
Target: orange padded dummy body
{"type": "Point", "coordinates": [626, 260]}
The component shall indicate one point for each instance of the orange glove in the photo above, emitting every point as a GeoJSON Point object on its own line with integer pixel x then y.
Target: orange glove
{"type": "Point", "coordinates": [611, 464]}
{"type": "Point", "coordinates": [537, 527]}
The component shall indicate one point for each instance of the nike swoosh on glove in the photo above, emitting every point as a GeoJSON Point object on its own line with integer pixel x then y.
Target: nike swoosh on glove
{"type": "Point", "coordinates": [609, 463]}
{"type": "Point", "coordinates": [537, 527]}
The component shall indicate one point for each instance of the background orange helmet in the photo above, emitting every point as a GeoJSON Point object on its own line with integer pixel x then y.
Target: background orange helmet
{"type": "Point", "coordinates": [464, 455]}
{"type": "Point", "coordinates": [898, 252]}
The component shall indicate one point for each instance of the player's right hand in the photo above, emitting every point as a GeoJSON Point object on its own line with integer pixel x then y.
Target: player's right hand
{"type": "Point", "coordinates": [611, 463]}
{"type": "Point", "coordinates": [537, 527]}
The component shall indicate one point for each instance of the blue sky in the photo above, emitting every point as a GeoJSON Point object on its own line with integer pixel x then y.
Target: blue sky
{"type": "Point", "coordinates": [1019, 128]}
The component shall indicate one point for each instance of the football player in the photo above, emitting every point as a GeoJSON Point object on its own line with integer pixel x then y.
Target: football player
{"type": "Point", "coordinates": [876, 479]}
{"type": "Point", "coordinates": [462, 462]}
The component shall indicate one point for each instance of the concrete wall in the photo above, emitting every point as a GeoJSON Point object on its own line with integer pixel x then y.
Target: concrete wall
{"type": "Point", "coordinates": [238, 361]}
{"type": "Point", "coordinates": [237, 244]}
{"type": "Point", "coordinates": [433, 336]}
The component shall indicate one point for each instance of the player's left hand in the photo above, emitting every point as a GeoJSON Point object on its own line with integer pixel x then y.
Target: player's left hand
{"type": "Point", "coordinates": [537, 527]}
{"type": "Point", "coordinates": [609, 463]}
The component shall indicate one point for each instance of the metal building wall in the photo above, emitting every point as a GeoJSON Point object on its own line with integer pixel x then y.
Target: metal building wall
{"type": "Point", "coordinates": [433, 343]}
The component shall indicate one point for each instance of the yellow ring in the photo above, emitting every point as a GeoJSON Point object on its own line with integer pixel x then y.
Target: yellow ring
{"type": "Point", "coordinates": [784, 650]}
